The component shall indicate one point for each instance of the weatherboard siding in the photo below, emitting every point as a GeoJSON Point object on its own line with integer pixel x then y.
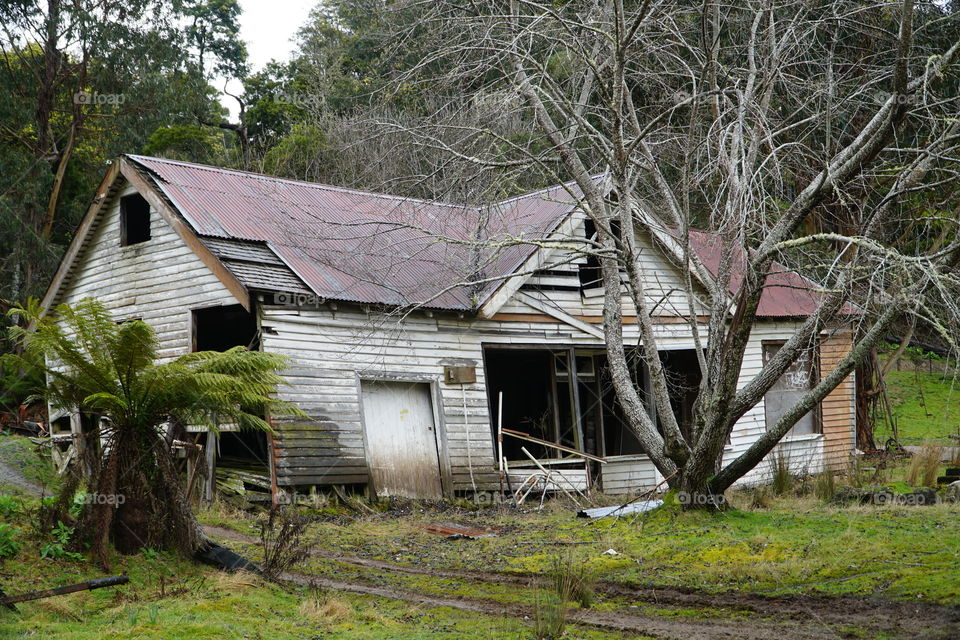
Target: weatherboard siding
{"type": "Point", "coordinates": [158, 281]}
{"type": "Point", "coordinates": [331, 350]}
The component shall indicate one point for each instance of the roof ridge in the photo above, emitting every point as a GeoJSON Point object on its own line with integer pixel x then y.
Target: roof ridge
{"type": "Point", "coordinates": [316, 185]}
{"type": "Point", "coordinates": [320, 185]}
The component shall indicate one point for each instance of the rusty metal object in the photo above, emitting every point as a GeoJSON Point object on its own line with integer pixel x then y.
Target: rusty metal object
{"type": "Point", "coordinates": [89, 585]}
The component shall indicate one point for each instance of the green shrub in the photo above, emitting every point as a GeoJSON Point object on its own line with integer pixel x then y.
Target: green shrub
{"type": "Point", "coordinates": [56, 550]}
{"type": "Point", "coordinates": [10, 507]}
{"type": "Point", "coordinates": [8, 546]}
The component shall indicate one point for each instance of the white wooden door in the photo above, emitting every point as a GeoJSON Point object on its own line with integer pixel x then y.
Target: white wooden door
{"type": "Point", "coordinates": [401, 439]}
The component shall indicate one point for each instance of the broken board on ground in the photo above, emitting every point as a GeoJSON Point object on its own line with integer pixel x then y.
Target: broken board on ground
{"type": "Point", "coordinates": [620, 510]}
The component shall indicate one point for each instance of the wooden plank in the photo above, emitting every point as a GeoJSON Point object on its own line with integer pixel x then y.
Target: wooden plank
{"type": "Point", "coordinates": [80, 237]}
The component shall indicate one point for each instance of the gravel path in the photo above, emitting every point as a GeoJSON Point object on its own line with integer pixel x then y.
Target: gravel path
{"type": "Point", "coordinates": [11, 467]}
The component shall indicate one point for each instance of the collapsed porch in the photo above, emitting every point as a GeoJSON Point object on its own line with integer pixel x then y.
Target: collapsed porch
{"type": "Point", "coordinates": [565, 396]}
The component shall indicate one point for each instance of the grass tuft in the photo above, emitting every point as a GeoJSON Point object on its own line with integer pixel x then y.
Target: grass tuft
{"type": "Point", "coordinates": [322, 607]}
{"type": "Point", "coordinates": [924, 466]}
{"type": "Point", "coordinates": [825, 485]}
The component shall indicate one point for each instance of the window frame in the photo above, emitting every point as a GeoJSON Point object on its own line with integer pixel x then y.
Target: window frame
{"type": "Point", "coordinates": [125, 226]}
{"type": "Point", "coordinates": [816, 412]}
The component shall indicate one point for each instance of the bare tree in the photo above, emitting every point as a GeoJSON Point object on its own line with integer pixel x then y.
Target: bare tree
{"type": "Point", "coordinates": [819, 135]}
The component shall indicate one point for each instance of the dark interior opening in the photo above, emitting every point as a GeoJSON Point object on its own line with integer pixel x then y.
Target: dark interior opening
{"type": "Point", "coordinates": [618, 438]}
{"type": "Point", "coordinates": [683, 382]}
{"type": "Point", "coordinates": [219, 329]}
{"type": "Point", "coordinates": [525, 379]}
{"type": "Point", "coordinates": [134, 220]}
{"type": "Point", "coordinates": [590, 273]}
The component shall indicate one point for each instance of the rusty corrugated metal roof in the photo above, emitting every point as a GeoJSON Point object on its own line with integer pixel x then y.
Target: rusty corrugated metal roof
{"type": "Point", "coordinates": [373, 248]}
{"type": "Point", "coordinates": [365, 247]}
{"type": "Point", "coordinates": [786, 293]}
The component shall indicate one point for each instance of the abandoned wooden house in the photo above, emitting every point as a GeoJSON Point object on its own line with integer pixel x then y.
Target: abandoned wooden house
{"type": "Point", "coordinates": [407, 373]}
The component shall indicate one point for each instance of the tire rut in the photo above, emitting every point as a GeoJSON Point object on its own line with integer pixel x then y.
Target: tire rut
{"type": "Point", "coordinates": [799, 617]}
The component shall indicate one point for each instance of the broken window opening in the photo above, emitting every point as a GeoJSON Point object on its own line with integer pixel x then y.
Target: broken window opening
{"type": "Point", "coordinates": [799, 378]}
{"type": "Point", "coordinates": [590, 272]}
{"type": "Point", "coordinates": [242, 458]}
{"type": "Point", "coordinates": [134, 220]}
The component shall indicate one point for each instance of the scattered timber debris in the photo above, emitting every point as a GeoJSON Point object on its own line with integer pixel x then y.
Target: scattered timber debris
{"type": "Point", "coordinates": [241, 483]}
{"type": "Point", "coordinates": [89, 585]}
{"type": "Point", "coordinates": [456, 532]}
{"type": "Point", "coordinates": [620, 510]}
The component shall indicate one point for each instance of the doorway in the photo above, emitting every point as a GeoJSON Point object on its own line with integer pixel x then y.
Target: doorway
{"type": "Point", "coordinates": [401, 439]}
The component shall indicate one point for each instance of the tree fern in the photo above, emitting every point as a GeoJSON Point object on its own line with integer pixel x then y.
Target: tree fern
{"type": "Point", "coordinates": [97, 365]}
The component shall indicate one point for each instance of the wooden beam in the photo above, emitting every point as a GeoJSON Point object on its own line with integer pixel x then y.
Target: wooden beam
{"type": "Point", "coordinates": [562, 316]}
{"type": "Point", "coordinates": [542, 317]}
{"type": "Point", "coordinates": [80, 237]}
{"type": "Point", "coordinates": [175, 220]}
{"type": "Point", "coordinates": [546, 443]}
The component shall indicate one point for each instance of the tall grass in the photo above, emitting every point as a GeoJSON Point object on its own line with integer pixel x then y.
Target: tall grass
{"type": "Point", "coordinates": [924, 466]}
{"type": "Point", "coordinates": [825, 485]}
{"type": "Point", "coordinates": [569, 580]}
{"type": "Point", "coordinates": [782, 480]}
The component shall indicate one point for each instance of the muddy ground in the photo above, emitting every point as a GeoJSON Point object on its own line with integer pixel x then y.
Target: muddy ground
{"type": "Point", "coordinates": [652, 610]}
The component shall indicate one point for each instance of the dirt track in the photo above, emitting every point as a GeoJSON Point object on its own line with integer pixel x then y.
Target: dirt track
{"type": "Point", "coordinates": [745, 616]}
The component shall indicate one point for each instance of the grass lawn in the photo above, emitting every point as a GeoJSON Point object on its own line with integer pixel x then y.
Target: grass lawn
{"type": "Point", "coordinates": [797, 546]}
{"type": "Point", "coordinates": [794, 545]}
{"type": "Point", "coordinates": [926, 407]}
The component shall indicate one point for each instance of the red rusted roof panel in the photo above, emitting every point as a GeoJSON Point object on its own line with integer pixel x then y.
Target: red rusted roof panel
{"type": "Point", "coordinates": [366, 247]}
{"type": "Point", "coordinates": [373, 248]}
{"type": "Point", "coordinates": [785, 294]}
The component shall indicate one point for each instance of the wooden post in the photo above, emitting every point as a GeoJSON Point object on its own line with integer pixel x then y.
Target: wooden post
{"type": "Point", "coordinates": [209, 489]}
{"type": "Point", "coordinates": [575, 401]}
{"type": "Point", "coordinates": [500, 431]}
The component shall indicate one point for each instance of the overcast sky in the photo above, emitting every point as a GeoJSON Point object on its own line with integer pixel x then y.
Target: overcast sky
{"type": "Point", "coordinates": [268, 28]}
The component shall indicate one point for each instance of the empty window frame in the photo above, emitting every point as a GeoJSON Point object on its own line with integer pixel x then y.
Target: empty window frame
{"type": "Point", "coordinates": [590, 272]}
{"type": "Point", "coordinates": [134, 220]}
{"type": "Point", "coordinates": [796, 381]}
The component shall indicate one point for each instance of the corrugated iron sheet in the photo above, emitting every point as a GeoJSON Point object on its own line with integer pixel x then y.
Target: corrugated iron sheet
{"type": "Point", "coordinates": [785, 294]}
{"type": "Point", "coordinates": [365, 247]}
{"type": "Point", "coordinates": [372, 248]}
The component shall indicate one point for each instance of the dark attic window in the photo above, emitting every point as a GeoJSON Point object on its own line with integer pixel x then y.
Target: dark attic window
{"type": "Point", "coordinates": [134, 220]}
{"type": "Point", "coordinates": [591, 274]}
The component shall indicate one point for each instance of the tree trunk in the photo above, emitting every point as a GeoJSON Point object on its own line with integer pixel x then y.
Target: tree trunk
{"type": "Point", "coordinates": [138, 500]}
